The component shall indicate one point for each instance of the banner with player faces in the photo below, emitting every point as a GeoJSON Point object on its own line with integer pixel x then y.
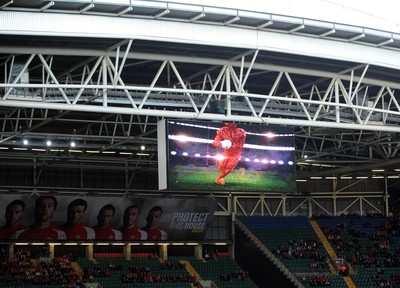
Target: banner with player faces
{"type": "Point", "coordinates": [48, 217]}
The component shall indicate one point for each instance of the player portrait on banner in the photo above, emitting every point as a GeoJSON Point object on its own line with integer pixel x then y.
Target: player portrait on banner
{"type": "Point", "coordinates": [231, 139]}
{"type": "Point", "coordinates": [74, 228]}
{"type": "Point", "coordinates": [130, 231]}
{"type": "Point", "coordinates": [104, 229]}
{"type": "Point", "coordinates": [43, 228]}
{"type": "Point", "coordinates": [154, 232]}
{"type": "Point", "coordinates": [13, 215]}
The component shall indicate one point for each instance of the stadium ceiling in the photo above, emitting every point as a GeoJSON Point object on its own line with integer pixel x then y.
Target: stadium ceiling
{"type": "Point", "coordinates": [102, 74]}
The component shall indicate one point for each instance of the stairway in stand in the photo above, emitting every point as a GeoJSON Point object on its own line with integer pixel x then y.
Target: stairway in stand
{"type": "Point", "coordinates": [331, 253]}
{"type": "Point", "coordinates": [77, 268]}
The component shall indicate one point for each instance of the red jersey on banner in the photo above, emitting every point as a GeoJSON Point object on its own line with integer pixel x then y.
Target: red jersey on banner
{"type": "Point", "coordinates": [49, 233]}
{"type": "Point", "coordinates": [156, 234]}
{"type": "Point", "coordinates": [133, 234]}
{"type": "Point", "coordinates": [78, 232]}
{"type": "Point", "coordinates": [7, 231]}
{"type": "Point", "coordinates": [108, 233]}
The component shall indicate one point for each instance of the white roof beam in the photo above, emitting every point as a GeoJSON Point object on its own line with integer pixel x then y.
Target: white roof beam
{"type": "Point", "coordinates": [26, 23]}
{"type": "Point", "coordinates": [357, 37]}
{"type": "Point", "coordinates": [194, 115]}
{"type": "Point", "coordinates": [327, 33]}
{"type": "Point", "coordinates": [298, 28]}
{"type": "Point", "coordinates": [385, 42]}
{"type": "Point", "coordinates": [47, 6]}
{"type": "Point", "coordinates": [265, 25]}
{"type": "Point", "coordinates": [124, 11]}
{"type": "Point", "coordinates": [6, 4]}
{"type": "Point", "coordinates": [86, 8]}
{"type": "Point", "coordinates": [197, 17]}
{"type": "Point", "coordinates": [187, 59]}
{"type": "Point", "coordinates": [185, 91]}
{"type": "Point", "coordinates": [232, 20]}
{"type": "Point", "coordinates": [162, 13]}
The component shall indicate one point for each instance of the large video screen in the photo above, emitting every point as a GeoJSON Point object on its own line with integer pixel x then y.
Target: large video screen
{"type": "Point", "coordinates": [226, 156]}
{"type": "Point", "coordinates": [48, 217]}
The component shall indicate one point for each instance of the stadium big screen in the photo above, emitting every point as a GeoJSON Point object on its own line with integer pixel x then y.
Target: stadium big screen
{"type": "Point", "coordinates": [223, 156]}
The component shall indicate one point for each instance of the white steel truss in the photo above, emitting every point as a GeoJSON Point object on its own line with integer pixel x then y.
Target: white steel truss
{"type": "Point", "coordinates": [331, 100]}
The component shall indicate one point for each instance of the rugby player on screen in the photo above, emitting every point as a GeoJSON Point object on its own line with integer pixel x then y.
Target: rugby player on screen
{"type": "Point", "coordinates": [231, 139]}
